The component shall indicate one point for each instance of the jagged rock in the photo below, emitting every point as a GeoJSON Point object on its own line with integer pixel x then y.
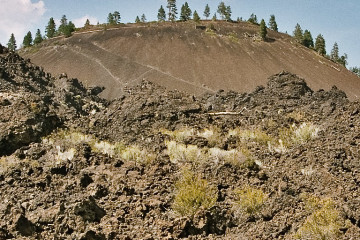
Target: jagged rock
{"type": "Point", "coordinates": [96, 194]}
{"type": "Point", "coordinates": [89, 210]}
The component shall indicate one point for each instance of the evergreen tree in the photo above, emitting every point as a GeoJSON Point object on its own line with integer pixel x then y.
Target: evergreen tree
{"type": "Point", "coordinates": [308, 39]}
{"type": "Point", "coordinates": [224, 11]}
{"type": "Point", "coordinates": [185, 13]}
{"type": "Point", "coordinates": [343, 60]}
{"type": "Point", "coordinates": [320, 45]}
{"type": "Point", "coordinates": [161, 14]}
{"type": "Point", "coordinates": [334, 55]}
{"type": "Point", "coordinates": [143, 18]}
{"type": "Point", "coordinates": [50, 28]}
{"type": "Point", "coordinates": [206, 11]}
{"type": "Point", "coordinates": [196, 17]}
{"type": "Point", "coordinates": [117, 17]}
{"type": "Point", "coordinates": [87, 23]}
{"type": "Point", "coordinates": [272, 23]}
{"type": "Point", "coordinates": [253, 19]}
{"type": "Point", "coordinates": [263, 30]}
{"type": "Point", "coordinates": [171, 5]}
{"type": "Point", "coordinates": [298, 34]}
{"type": "Point", "coordinates": [27, 42]}
{"type": "Point", "coordinates": [214, 18]}
{"type": "Point", "coordinates": [355, 70]}
{"type": "Point", "coordinates": [111, 19]}
{"type": "Point", "coordinates": [221, 10]}
{"type": "Point", "coordinates": [69, 29]}
{"type": "Point", "coordinates": [137, 19]}
{"type": "Point", "coordinates": [38, 38]}
{"type": "Point", "coordinates": [228, 13]}
{"type": "Point", "coordinates": [12, 43]}
{"type": "Point", "coordinates": [63, 24]}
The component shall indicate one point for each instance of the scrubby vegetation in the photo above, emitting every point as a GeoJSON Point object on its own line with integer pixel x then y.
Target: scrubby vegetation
{"type": "Point", "coordinates": [192, 194]}
{"type": "Point", "coordinates": [250, 200]}
{"type": "Point", "coordinates": [325, 221]}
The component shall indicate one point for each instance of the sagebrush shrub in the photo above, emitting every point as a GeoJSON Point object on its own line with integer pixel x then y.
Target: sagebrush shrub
{"type": "Point", "coordinates": [193, 193]}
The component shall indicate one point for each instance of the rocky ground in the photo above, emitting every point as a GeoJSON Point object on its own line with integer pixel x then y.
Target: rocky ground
{"type": "Point", "coordinates": [281, 162]}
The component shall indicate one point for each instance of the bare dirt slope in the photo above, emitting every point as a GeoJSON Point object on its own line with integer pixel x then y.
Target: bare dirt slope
{"type": "Point", "coordinates": [178, 56]}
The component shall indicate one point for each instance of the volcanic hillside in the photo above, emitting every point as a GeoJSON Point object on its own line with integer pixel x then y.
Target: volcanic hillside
{"type": "Point", "coordinates": [179, 56]}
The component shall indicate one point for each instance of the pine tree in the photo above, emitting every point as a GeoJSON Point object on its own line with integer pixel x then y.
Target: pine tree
{"type": "Point", "coordinates": [117, 17]}
{"type": "Point", "coordinates": [12, 43]}
{"type": "Point", "coordinates": [320, 45]}
{"type": "Point", "coordinates": [172, 10]}
{"type": "Point", "coordinates": [27, 42]}
{"type": "Point", "coordinates": [263, 30]}
{"type": "Point", "coordinates": [298, 34]}
{"type": "Point", "coordinates": [221, 10]}
{"type": "Point", "coordinates": [334, 55]}
{"type": "Point", "coordinates": [214, 18]}
{"type": "Point", "coordinates": [137, 19]}
{"type": "Point", "coordinates": [343, 60]}
{"type": "Point", "coordinates": [185, 13]}
{"type": "Point", "coordinates": [228, 13]}
{"type": "Point", "coordinates": [38, 38]}
{"type": "Point", "coordinates": [161, 14]}
{"type": "Point", "coordinates": [355, 70]}
{"type": "Point", "coordinates": [111, 19]}
{"type": "Point", "coordinates": [272, 23]}
{"type": "Point", "coordinates": [196, 17]}
{"type": "Point", "coordinates": [69, 29]}
{"type": "Point", "coordinates": [87, 23]}
{"type": "Point", "coordinates": [143, 18]}
{"type": "Point", "coordinates": [63, 24]}
{"type": "Point", "coordinates": [253, 19]}
{"type": "Point", "coordinates": [206, 11]}
{"type": "Point", "coordinates": [50, 28]}
{"type": "Point", "coordinates": [308, 39]}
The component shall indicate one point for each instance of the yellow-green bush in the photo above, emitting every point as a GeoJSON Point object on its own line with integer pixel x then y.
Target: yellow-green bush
{"type": "Point", "coordinates": [250, 200]}
{"type": "Point", "coordinates": [193, 193]}
{"type": "Point", "coordinates": [324, 222]}
{"type": "Point", "coordinates": [254, 135]}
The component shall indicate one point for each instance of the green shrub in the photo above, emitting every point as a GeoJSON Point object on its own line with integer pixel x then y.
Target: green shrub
{"type": "Point", "coordinates": [324, 222]}
{"type": "Point", "coordinates": [192, 194]}
{"type": "Point", "coordinates": [250, 200]}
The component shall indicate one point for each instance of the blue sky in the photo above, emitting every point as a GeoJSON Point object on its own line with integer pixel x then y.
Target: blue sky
{"type": "Point", "coordinates": [336, 20]}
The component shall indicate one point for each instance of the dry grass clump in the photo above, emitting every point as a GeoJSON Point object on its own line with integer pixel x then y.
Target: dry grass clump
{"type": "Point", "coordinates": [254, 135]}
{"type": "Point", "coordinates": [250, 200]}
{"type": "Point", "coordinates": [70, 138]}
{"type": "Point", "coordinates": [179, 135]}
{"type": "Point", "coordinates": [179, 152]}
{"type": "Point", "coordinates": [234, 157]}
{"type": "Point", "coordinates": [212, 134]}
{"type": "Point", "coordinates": [324, 222]}
{"type": "Point", "coordinates": [296, 135]}
{"type": "Point", "coordinates": [192, 194]}
{"type": "Point", "coordinates": [64, 155]}
{"type": "Point", "coordinates": [134, 153]}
